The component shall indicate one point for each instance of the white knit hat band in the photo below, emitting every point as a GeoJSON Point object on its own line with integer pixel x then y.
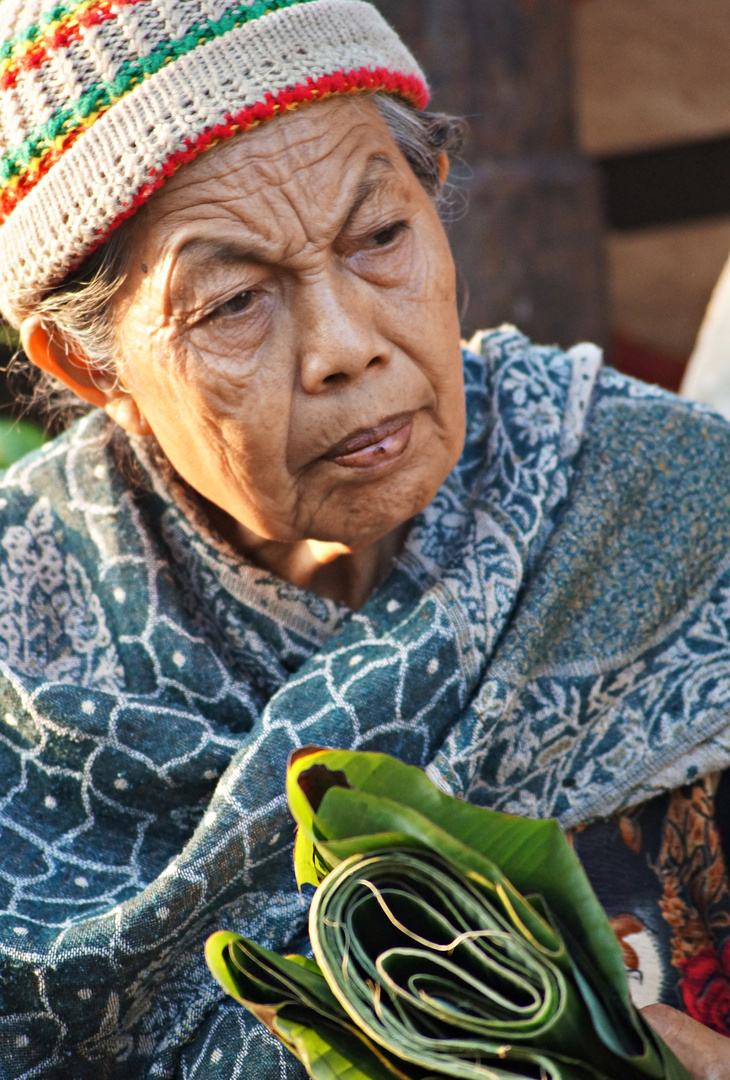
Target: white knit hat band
{"type": "Point", "coordinates": [246, 75]}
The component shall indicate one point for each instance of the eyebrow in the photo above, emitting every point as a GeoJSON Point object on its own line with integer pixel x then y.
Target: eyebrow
{"type": "Point", "coordinates": [229, 252]}
{"type": "Point", "coordinates": [226, 252]}
{"type": "Point", "coordinates": [369, 182]}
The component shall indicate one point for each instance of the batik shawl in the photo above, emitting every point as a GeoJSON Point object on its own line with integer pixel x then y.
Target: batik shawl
{"type": "Point", "coordinates": [553, 640]}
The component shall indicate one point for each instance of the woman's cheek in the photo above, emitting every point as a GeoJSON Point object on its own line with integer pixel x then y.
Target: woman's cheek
{"type": "Point", "coordinates": [218, 376]}
{"type": "Point", "coordinates": [228, 350]}
{"type": "Point", "coordinates": [387, 268]}
{"type": "Point", "coordinates": [240, 335]}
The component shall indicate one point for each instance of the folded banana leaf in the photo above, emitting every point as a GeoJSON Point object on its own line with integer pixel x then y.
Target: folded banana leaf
{"type": "Point", "coordinates": [450, 941]}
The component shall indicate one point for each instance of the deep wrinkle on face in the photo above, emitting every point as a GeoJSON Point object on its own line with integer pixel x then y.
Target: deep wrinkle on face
{"type": "Point", "coordinates": [298, 297]}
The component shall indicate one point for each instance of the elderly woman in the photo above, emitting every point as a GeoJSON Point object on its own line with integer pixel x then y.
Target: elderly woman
{"type": "Point", "coordinates": [280, 525]}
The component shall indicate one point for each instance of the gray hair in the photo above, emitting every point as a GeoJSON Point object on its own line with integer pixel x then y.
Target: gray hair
{"type": "Point", "coordinates": [79, 310]}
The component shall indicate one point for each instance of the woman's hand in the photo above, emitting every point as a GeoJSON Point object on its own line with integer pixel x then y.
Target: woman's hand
{"type": "Point", "coordinates": [704, 1053]}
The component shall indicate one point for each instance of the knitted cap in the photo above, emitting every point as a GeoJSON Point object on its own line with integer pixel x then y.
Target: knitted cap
{"type": "Point", "coordinates": [101, 100]}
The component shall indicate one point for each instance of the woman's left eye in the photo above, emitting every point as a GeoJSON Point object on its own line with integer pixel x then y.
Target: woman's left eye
{"type": "Point", "coordinates": [387, 236]}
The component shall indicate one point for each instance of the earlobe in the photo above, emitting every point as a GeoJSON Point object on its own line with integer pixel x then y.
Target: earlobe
{"type": "Point", "coordinates": [53, 355]}
{"type": "Point", "coordinates": [443, 167]}
{"type": "Point", "coordinates": [123, 410]}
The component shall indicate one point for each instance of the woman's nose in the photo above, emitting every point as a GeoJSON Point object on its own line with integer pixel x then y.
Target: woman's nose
{"type": "Point", "coordinates": [338, 336]}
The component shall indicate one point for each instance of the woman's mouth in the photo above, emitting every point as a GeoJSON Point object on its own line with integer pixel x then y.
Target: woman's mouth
{"type": "Point", "coordinates": [373, 447]}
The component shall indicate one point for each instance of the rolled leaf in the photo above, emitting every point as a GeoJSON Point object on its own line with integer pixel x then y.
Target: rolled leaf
{"type": "Point", "coordinates": [450, 941]}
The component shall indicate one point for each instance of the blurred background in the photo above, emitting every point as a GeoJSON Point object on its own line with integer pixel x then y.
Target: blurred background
{"type": "Point", "coordinates": [651, 101]}
{"type": "Point", "coordinates": [597, 169]}
{"type": "Point", "coordinates": [600, 165]}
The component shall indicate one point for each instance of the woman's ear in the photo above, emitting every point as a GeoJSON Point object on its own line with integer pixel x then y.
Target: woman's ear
{"type": "Point", "coordinates": [74, 370]}
{"type": "Point", "coordinates": [123, 409]}
{"type": "Point", "coordinates": [443, 167]}
{"type": "Point", "coordinates": [53, 355]}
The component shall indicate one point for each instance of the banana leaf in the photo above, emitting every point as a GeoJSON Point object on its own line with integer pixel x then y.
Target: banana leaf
{"type": "Point", "coordinates": [449, 941]}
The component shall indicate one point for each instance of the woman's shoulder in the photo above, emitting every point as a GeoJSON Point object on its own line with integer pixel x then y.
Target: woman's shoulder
{"type": "Point", "coordinates": [76, 467]}
{"type": "Point", "coordinates": [503, 348]}
{"type": "Point", "coordinates": [527, 403]}
{"type": "Point", "coordinates": [53, 500]}
{"type": "Point", "coordinates": [513, 372]}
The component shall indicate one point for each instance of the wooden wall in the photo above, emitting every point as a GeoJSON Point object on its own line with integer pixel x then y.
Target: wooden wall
{"type": "Point", "coordinates": [652, 82]}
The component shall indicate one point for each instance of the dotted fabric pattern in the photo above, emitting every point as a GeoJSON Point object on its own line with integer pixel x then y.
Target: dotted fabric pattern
{"type": "Point", "coordinates": [100, 100]}
{"type": "Point", "coordinates": [554, 639]}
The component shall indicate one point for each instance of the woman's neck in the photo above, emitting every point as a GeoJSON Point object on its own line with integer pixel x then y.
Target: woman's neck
{"type": "Point", "coordinates": [334, 571]}
{"type": "Point", "coordinates": [327, 568]}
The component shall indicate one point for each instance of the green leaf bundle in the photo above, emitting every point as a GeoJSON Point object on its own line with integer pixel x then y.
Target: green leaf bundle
{"type": "Point", "coordinates": [450, 941]}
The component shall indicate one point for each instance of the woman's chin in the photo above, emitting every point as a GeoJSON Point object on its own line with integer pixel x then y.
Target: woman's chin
{"type": "Point", "coordinates": [361, 519]}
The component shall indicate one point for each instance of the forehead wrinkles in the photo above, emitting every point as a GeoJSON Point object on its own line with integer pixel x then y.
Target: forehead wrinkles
{"type": "Point", "coordinates": [306, 146]}
{"type": "Point", "coordinates": [297, 191]}
{"type": "Point", "coordinates": [314, 190]}
{"type": "Point", "coordinates": [290, 181]}
{"type": "Point", "coordinates": [278, 153]}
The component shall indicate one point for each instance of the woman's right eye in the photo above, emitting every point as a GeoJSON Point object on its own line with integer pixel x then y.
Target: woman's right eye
{"type": "Point", "coordinates": [234, 306]}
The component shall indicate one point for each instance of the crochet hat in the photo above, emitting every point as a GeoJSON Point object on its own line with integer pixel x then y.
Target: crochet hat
{"type": "Point", "coordinates": [101, 100]}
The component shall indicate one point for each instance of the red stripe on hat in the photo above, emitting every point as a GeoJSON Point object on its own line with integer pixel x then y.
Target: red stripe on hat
{"type": "Point", "coordinates": [409, 87]}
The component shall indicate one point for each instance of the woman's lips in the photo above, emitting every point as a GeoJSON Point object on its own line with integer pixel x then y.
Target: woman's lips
{"type": "Point", "coordinates": [374, 446]}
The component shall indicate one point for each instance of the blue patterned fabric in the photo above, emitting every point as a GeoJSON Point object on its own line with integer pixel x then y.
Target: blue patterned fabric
{"type": "Point", "coordinates": [553, 640]}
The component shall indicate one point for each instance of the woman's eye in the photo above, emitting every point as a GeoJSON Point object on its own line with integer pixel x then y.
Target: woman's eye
{"type": "Point", "coordinates": [234, 306]}
{"type": "Point", "coordinates": [387, 236]}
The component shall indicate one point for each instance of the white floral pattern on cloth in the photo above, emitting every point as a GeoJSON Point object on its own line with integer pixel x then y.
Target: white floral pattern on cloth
{"type": "Point", "coordinates": [552, 639]}
{"type": "Point", "coordinates": [51, 623]}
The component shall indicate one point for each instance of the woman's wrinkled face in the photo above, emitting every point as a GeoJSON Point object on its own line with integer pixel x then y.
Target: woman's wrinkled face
{"type": "Point", "coordinates": [289, 329]}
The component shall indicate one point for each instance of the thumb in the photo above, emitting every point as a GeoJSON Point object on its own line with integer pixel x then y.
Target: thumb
{"type": "Point", "coordinates": [704, 1053]}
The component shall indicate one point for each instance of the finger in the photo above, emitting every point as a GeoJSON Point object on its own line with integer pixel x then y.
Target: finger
{"type": "Point", "coordinates": [704, 1053]}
